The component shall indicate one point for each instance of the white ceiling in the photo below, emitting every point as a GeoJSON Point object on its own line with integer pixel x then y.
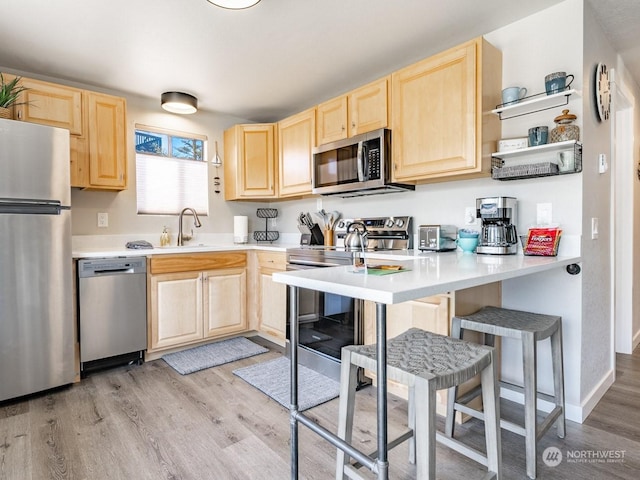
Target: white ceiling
{"type": "Point", "coordinates": [264, 63]}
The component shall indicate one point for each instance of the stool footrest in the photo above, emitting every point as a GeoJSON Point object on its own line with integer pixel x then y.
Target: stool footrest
{"type": "Point", "coordinates": [392, 444]}
{"type": "Point", "coordinates": [548, 422]}
{"type": "Point", "coordinates": [510, 426]}
{"type": "Point", "coordinates": [460, 447]}
{"type": "Point", "coordinates": [517, 388]}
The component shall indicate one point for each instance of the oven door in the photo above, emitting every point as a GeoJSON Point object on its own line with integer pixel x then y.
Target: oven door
{"type": "Point", "coordinates": [326, 323]}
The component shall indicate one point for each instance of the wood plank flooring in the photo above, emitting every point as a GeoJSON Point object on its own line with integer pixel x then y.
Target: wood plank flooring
{"type": "Point", "coordinates": [149, 422]}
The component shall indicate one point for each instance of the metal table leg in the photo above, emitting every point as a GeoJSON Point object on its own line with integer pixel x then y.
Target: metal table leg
{"type": "Point", "coordinates": [380, 465]}
{"type": "Point", "coordinates": [381, 342]}
{"type": "Point", "coordinates": [293, 407]}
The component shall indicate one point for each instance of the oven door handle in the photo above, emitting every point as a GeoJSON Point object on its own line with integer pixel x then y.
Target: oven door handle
{"type": "Point", "coordinates": [310, 264]}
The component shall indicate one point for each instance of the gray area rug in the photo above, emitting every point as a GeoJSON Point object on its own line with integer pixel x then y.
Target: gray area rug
{"type": "Point", "coordinates": [272, 377]}
{"type": "Point", "coordinates": [212, 354]}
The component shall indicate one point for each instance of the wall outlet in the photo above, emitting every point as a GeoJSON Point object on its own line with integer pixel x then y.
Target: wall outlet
{"type": "Point", "coordinates": [470, 216]}
{"type": "Point", "coordinates": [543, 213]}
{"type": "Point", "coordinates": [318, 204]}
{"type": "Point", "coordinates": [103, 220]}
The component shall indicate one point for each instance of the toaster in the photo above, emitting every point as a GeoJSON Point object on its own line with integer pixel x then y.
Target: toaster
{"type": "Point", "coordinates": [437, 238]}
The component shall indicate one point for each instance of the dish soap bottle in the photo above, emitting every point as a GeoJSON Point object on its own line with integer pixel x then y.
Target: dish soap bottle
{"type": "Point", "coordinates": [164, 237]}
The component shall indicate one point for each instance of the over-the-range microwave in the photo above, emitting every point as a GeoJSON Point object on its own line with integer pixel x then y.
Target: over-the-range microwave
{"type": "Point", "coordinates": [356, 166]}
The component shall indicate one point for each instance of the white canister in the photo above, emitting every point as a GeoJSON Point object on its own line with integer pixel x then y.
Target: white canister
{"type": "Point", "coordinates": [240, 229]}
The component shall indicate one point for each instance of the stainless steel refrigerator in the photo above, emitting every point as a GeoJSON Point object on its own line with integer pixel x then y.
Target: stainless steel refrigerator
{"type": "Point", "coordinates": [37, 333]}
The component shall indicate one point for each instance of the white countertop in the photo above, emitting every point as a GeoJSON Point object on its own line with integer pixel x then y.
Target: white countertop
{"type": "Point", "coordinates": [425, 274]}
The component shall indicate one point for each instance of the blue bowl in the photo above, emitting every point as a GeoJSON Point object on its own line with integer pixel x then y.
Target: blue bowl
{"type": "Point", "coordinates": [466, 233]}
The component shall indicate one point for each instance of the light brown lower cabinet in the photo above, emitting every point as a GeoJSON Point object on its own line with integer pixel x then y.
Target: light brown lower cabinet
{"type": "Point", "coordinates": [272, 296]}
{"type": "Point", "coordinates": [195, 298]}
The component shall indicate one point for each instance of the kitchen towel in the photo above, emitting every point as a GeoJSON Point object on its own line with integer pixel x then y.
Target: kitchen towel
{"type": "Point", "coordinates": [272, 378]}
{"type": "Point", "coordinates": [240, 229]}
{"type": "Point", "coordinates": [212, 354]}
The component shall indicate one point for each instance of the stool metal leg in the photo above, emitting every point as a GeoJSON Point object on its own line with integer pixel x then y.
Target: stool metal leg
{"type": "Point", "coordinates": [529, 362]}
{"type": "Point", "coordinates": [348, 381]}
{"type": "Point", "coordinates": [491, 403]}
{"type": "Point", "coordinates": [558, 377]}
{"type": "Point", "coordinates": [411, 423]}
{"type": "Point", "coordinates": [425, 430]}
{"type": "Point", "coordinates": [453, 391]}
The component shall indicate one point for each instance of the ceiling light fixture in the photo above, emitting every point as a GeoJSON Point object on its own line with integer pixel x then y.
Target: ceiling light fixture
{"type": "Point", "coordinates": [234, 4]}
{"type": "Point", "coordinates": [179, 102]}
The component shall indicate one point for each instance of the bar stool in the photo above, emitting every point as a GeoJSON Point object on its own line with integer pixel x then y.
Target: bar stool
{"type": "Point", "coordinates": [425, 362]}
{"type": "Point", "coordinates": [529, 328]}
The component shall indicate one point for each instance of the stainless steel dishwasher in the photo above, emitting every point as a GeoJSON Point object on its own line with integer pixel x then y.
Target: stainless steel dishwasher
{"type": "Point", "coordinates": [112, 301]}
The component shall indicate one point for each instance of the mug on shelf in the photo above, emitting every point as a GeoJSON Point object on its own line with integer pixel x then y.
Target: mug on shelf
{"type": "Point", "coordinates": [513, 95]}
{"type": "Point", "coordinates": [566, 161]}
{"type": "Point", "coordinates": [538, 136]}
{"type": "Point", "coordinates": [557, 82]}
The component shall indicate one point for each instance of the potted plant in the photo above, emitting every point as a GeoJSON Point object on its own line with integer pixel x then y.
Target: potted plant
{"type": "Point", "coordinates": [10, 92]}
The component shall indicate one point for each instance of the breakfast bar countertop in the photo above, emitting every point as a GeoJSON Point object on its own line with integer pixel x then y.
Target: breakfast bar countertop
{"type": "Point", "coordinates": [421, 276]}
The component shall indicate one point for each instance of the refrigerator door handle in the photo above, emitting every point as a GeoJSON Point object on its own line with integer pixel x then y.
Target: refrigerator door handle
{"type": "Point", "coordinates": [31, 207]}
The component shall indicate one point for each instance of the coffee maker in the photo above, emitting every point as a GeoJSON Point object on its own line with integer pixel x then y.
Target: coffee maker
{"type": "Point", "coordinates": [498, 216]}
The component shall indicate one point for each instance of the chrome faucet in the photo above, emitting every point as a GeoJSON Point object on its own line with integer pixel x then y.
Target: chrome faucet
{"type": "Point", "coordinates": [183, 237]}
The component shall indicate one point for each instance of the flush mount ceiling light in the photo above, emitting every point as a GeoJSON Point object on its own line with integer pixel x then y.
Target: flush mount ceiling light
{"type": "Point", "coordinates": [234, 4]}
{"type": "Point", "coordinates": [179, 102]}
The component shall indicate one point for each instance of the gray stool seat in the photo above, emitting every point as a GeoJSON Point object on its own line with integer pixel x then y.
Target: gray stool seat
{"type": "Point", "coordinates": [425, 362]}
{"type": "Point", "coordinates": [529, 328]}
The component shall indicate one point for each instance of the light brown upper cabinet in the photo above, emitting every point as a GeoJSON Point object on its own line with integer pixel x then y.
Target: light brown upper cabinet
{"type": "Point", "coordinates": [50, 104]}
{"type": "Point", "coordinates": [106, 122]}
{"type": "Point", "coordinates": [359, 111]}
{"type": "Point", "coordinates": [249, 164]}
{"type": "Point", "coordinates": [296, 139]}
{"type": "Point", "coordinates": [439, 130]}
{"type": "Point", "coordinates": [97, 128]}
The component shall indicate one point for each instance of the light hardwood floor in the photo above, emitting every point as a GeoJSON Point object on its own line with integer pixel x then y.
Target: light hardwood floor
{"type": "Point", "coordinates": [149, 422]}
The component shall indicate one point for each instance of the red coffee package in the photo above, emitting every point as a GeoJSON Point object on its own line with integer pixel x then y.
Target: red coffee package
{"type": "Point", "coordinates": [543, 241]}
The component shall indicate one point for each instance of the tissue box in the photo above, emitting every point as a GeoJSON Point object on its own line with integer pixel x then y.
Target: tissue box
{"type": "Point", "coordinates": [508, 144]}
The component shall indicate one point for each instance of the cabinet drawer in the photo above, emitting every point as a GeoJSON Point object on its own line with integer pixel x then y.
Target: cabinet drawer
{"type": "Point", "coordinates": [187, 262]}
{"type": "Point", "coordinates": [272, 260]}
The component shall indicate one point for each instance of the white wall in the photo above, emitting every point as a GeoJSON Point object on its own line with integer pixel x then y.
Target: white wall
{"type": "Point", "coordinates": [121, 206]}
{"type": "Point", "coordinates": [624, 165]}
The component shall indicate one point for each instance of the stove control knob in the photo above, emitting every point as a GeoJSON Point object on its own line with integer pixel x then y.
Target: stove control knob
{"type": "Point", "coordinates": [341, 224]}
{"type": "Point", "coordinates": [389, 223]}
{"type": "Point", "coordinates": [399, 222]}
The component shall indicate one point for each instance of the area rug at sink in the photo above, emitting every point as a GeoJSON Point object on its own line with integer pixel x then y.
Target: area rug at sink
{"type": "Point", "coordinates": [212, 354]}
{"type": "Point", "coordinates": [272, 377]}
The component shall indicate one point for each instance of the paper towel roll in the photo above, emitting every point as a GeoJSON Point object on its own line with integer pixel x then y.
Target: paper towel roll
{"type": "Point", "coordinates": [240, 229]}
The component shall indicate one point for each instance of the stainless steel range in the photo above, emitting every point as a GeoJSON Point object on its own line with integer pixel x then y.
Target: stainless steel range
{"type": "Point", "coordinates": [328, 322]}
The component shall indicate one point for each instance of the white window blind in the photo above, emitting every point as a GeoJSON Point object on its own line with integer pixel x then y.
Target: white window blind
{"type": "Point", "coordinates": [166, 185]}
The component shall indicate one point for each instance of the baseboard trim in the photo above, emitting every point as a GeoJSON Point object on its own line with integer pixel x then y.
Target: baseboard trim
{"type": "Point", "coordinates": [574, 413]}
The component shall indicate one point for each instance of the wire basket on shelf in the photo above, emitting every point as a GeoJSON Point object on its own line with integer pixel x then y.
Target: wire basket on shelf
{"type": "Point", "coordinates": [266, 235]}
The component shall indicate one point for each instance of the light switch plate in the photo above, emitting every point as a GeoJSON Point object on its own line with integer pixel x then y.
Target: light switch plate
{"type": "Point", "coordinates": [544, 213]}
{"type": "Point", "coordinates": [594, 228]}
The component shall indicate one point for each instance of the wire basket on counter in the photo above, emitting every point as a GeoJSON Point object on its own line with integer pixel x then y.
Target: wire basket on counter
{"type": "Point", "coordinates": [266, 235]}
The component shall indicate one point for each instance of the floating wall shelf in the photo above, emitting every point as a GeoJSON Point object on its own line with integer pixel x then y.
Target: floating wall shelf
{"type": "Point", "coordinates": [540, 161]}
{"type": "Point", "coordinates": [533, 103]}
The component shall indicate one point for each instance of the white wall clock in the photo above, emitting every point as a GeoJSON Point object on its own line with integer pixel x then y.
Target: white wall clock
{"type": "Point", "coordinates": [603, 92]}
